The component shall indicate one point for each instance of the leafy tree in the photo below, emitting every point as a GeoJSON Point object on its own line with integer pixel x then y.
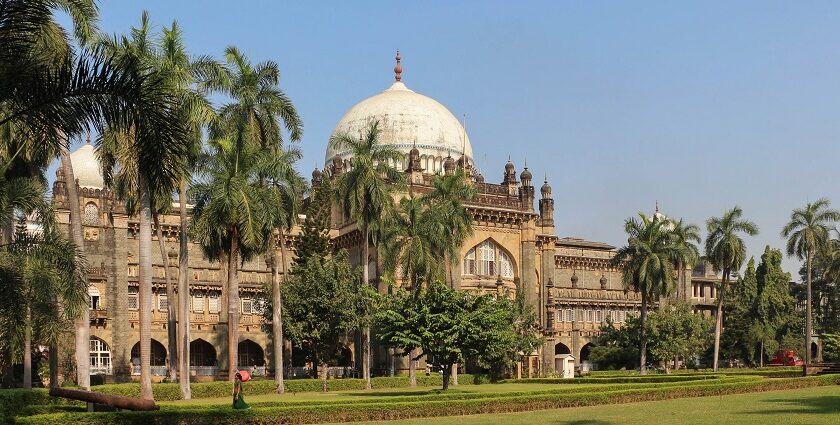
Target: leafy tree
{"type": "Point", "coordinates": [319, 301]}
{"type": "Point", "coordinates": [676, 332]}
{"type": "Point", "coordinates": [647, 265]}
{"type": "Point", "coordinates": [726, 251]}
{"type": "Point", "coordinates": [447, 197]}
{"type": "Point", "coordinates": [365, 193]}
{"type": "Point", "coordinates": [314, 240]}
{"type": "Point", "coordinates": [807, 232]}
{"type": "Point", "coordinates": [617, 347]}
{"type": "Point", "coordinates": [739, 319]}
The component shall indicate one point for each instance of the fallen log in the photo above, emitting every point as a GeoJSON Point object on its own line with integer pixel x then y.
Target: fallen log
{"type": "Point", "coordinates": [118, 401]}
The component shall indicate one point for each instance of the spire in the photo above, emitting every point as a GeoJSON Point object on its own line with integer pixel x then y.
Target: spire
{"type": "Point", "coordinates": [398, 68]}
{"type": "Point", "coordinates": [88, 138]}
{"type": "Point", "coordinates": [657, 205]}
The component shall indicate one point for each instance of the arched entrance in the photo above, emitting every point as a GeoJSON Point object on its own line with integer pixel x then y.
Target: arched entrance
{"type": "Point", "coordinates": [100, 357]}
{"type": "Point", "coordinates": [561, 348]}
{"type": "Point", "coordinates": [202, 353]}
{"type": "Point", "coordinates": [250, 354]}
{"type": "Point", "coordinates": [158, 354]}
{"type": "Point", "coordinates": [585, 364]}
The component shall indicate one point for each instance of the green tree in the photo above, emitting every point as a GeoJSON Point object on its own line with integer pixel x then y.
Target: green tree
{"type": "Point", "coordinates": [726, 251]}
{"type": "Point", "coordinates": [365, 193]}
{"type": "Point", "coordinates": [807, 232]}
{"type": "Point", "coordinates": [685, 236]}
{"type": "Point", "coordinates": [617, 347]}
{"type": "Point", "coordinates": [319, 301]}
{"type": "Point", "coordinates": [739, 319]}
{"type": "Point", "coordinates": [647, 265]}
{"type": "Point", "coordinates": [676, 332]}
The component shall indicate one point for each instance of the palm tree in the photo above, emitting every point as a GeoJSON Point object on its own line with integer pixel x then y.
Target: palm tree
{"type": "Point", "coordinates": [647, 265]}
{"type": "Point", "coordinates": [685, 236]}
{"type": "Point", "coordinates": [260, 106]}
{"type": "Point", "coordinates": [807, 232]}
{"type": "Point", "coordinates": [365, 193]}
{"type": "Point", "coordinates": [448, 194]}
{"type": "Point", "coordinates": [726, 251]}
{"type": "Point", "coordinates": [233, 208]}
{"type": "Point", "coordinates": [157, 138]}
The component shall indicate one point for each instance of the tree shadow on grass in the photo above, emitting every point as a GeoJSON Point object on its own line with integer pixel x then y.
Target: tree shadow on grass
{"type": "Point", "coordinates": [585, 422]}
{"type": "Point", "coordinates": [820, 404]}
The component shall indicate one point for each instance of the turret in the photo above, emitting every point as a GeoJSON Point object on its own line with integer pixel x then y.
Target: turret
{"type": "Point", "coordinates": [510, 178]}
{"type": "Point", "coordinates": [449, 165]}
{"type": "Point", "coordinates": [526, 191]}
{"type": "Point", "coordinates": [414, 170]}
{"type": "Point", "coordinates": [337, 167]}
{"type": "Point", "coordinates": [546, 205]}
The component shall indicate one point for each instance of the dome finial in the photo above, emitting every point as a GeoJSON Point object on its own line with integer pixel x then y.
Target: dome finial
{"type": "Point", "coordinates": [398, 68]}
{"type": "Point", "coordinates": [657, 205]}
{"type": "Point", "coordinates": [88, 138]}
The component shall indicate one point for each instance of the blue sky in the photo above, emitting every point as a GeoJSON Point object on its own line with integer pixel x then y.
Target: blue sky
{"type": "Point", "coordinates": [701, 106]}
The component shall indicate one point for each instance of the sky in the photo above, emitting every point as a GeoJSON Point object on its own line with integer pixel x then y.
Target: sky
{"type": "Point", "coordinates": [700, 106]}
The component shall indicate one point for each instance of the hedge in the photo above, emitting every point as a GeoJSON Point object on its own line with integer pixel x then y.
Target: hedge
{"type": "Point", "coordinates": [385, 410]}
{"type": "Point", "coordinates": [616, 379]}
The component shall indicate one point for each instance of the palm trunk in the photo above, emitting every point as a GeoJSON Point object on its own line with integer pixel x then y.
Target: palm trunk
{"type": "Point", "coordinates": [719, 317]}
{"type": "Point", "coordinates": [171, 317]}
{"type": "Point", "coordinates": [277, 314]}
{"type": "Point", "coordinates": [145, 292]}
{"type": "Point", "coordinates": [27, 351]}
{"type": "Point", "coordinates": [366, 330]}
{"type": "Point", "coordinates": [446, 377]}
{"type": "Point", "coordinates": [82, 323]}
{"type": "Point", "coordinates": [643, 336]}
{"type": "Point", "coordinates": [808, 319]}
{"type": "Point", "coordinates": [412, 369]}
{"type": "Point", "coordinates": [233, 307]}
{"type": "Point", "coordinates": [681, 290]}
{"type": "Point", "coordinates": [184, 296]}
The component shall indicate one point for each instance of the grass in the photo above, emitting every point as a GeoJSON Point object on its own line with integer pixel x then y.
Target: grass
{"type": "Point", "coordinates": [819, 405]}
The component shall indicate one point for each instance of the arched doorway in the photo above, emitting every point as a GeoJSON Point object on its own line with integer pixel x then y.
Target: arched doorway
{"type": "Point", "coordinates": [158, 354]}
{"type": "Point", "coordinates": [202, 353]}
{"type": "Point", "coordinates": [250, 354]}
{"type": "Point", "coordinates": [100, 357]}
{"type": "Point", "coordinates": [561, 348]}
{"type": "Point", "coordinates": [585, 364]}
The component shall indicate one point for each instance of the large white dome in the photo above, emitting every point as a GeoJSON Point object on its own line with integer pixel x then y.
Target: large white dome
{"type": "Point", "coordinates": [407, 118]}
{"type": "Point", "coordinates": [86, 167]}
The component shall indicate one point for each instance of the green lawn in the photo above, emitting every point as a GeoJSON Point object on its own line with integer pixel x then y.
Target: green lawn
{"type": "Point", "coordinates": [806, 406]}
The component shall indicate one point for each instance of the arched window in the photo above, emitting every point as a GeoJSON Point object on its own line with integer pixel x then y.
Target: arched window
{"type": "Point", "coordinates": [94, 297]}
{"type": "Point", "coordinates": [90, 217]}
{"type": "Point", "coordinates": [100, 357]}
{"type": "Point", "coordinates": [488, 259]}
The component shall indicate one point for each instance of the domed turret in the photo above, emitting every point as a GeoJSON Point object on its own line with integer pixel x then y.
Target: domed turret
{"type": "Point", "coordinates": [86, 168]}
{"type": "Point", "coordinates": [546, 189]}
{"type": "Point", "coordinates": [525, 176]}
{"type": "Point", "coordinates": [479, 178]}
{"type": "Point", "coordinates": [317, 177]}
{"type": "Point", "coordinates": [449, 165]}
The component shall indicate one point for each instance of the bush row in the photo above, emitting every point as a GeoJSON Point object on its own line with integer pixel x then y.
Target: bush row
{"type": "Point", "coordinates": [384, 410]}
{"type": "Point", "coordinates": [172, 391]}
{"type": "Point", "coordinates": [615, 379]}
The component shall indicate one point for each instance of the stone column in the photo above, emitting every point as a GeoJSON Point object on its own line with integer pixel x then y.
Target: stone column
{"type": "Point", "coordinates": [117, 238]}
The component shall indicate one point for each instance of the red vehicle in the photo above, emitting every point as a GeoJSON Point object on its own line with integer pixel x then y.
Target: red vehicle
{"type": "Point", "coordinates": [786, 358]}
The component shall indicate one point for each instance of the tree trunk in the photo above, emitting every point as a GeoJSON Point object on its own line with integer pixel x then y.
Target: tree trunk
{"type": "Point", "coordinates": [808, 318]}
{"type": "Point", "coordinates": [761, 359]}
{"type": "Point", "coordinates": [366, 330]}
{"type": "Point", "coordinates": [681, 290]}
{"type": "Point", "coordinates": [145, 291]}
{"type": "Point", "coordinates": [277, 314]}
{"type": "Point", "coordinates": [233, 307]}
{"type": "Point", "coordinates": [82, 323]}
{"type": "Point", "coordinates": [184, 295]}
{"type": "Point", "coordinates": [643, 336]}
{"type": "Point", "coordinates": [325, 375]}
{"type": "Point", "coordinates": [454, 373]}
{"type": "Point", "coordinates": [412, 369]}
{"type": "Point", "coordinates": [719, 317]}
{"type": "Point", "coordinates": [445, 377]}
{"type": "Point", "coordinates": [171, 317]}
{"type": "Point", "coordinates": [27, 351]}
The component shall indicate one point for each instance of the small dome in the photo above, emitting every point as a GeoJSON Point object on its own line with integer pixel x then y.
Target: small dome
{"type": "Point", "coordinates": [449, 164]}
{"type": "Point", "coordinates": [86, 167]}
{"type": "Point", "coordinates": [509, 166]}
{"type": "Point", "coordinates": [172, 253]}
{"type": "Point", "coordinates": [316, 174]}
{"type": "Point", "coordinates": [545, 189]}
{"type": "Point", "coordinates": [414, 153]}
{"type": "Point", "coordinates": [479, 178]}
{"type": "Point", "coordinates": [526, 175]}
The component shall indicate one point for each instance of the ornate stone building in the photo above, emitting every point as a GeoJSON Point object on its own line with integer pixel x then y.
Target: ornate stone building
{"type": "Point", "coordinates": [514, 247]}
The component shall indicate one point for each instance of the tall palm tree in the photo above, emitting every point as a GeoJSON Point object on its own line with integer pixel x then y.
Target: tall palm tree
{"type": "Point", "coordinates": [685, 236]}
{"type": "Point", "coordinates": [157, 138]}
{"type": "Point", "coordinates": [726, 251]}
{"type": "Point", "coordinates": [365, 193]}
{"type": "Point", "coordinates": [448, 195]}
{"type": "Point", "coordinates": [647, 265]}
{"type": "Point", "coordinates": [264, 110]}
{"type": "Point", "coordinates": [808, 232]}
{"type": "Point", "coordinates": [233, 208]}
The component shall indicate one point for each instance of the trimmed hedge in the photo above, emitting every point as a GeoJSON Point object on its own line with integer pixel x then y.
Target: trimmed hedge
{"type": "Point", "coordinates": [172, 391]}
{"type": "Point", "coordinates": [616, 379]}
{"type": "Point", "coordinates": [385, 410]}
